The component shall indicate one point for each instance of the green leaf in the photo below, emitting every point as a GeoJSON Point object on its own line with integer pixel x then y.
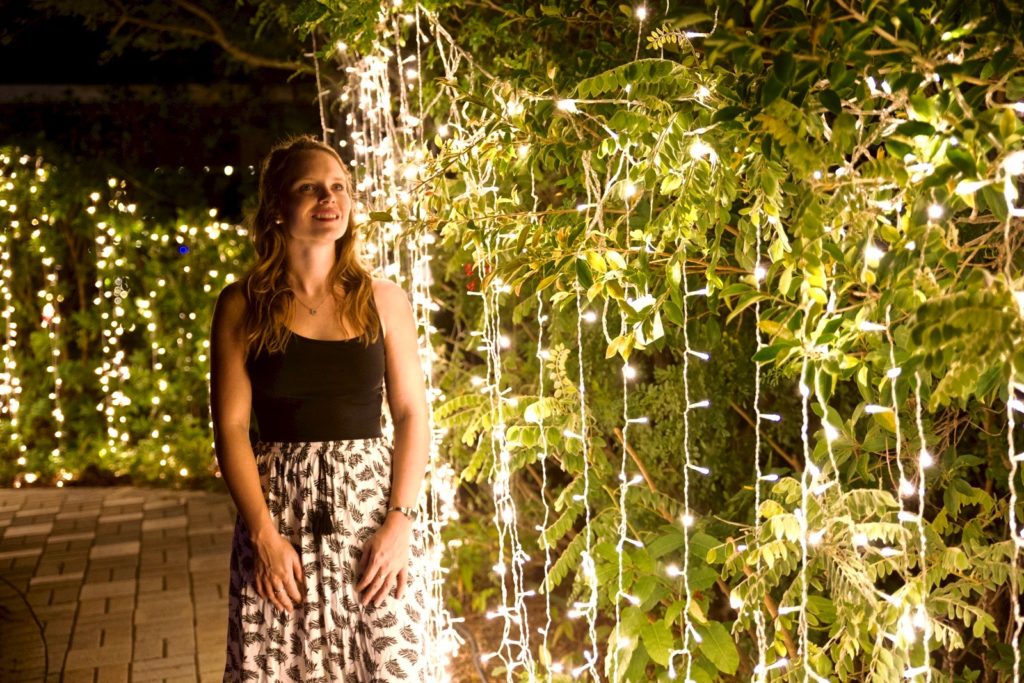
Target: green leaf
{"type": "Point", "coordinates": [784, 68]}
{"type": "Point", "coordinates": [771, 90]}
{"type": "Point", "coordinates": [887, 420]}
{"type": "Point", "coordinates": [583, 273]}
{"type": "Point", "coordinates": [657, 640]}
{"type": "Point", "coordinates": [769, 352]}
{"type": "Point", "coordinates": [963, 161]}
{"type": "Point", "coordinates": [912, 128]}
{"type": "Point", "coordinates": [663, 545]}
{"type": "Point", "coordinates": [717, 645]}
{"type": "Point", "coordinates": [615, 258]}
{"type": "Point", "coordinates": [830, 100]}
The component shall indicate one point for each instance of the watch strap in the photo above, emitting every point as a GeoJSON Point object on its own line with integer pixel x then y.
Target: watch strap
{"type": "Point", "coordinates": [408, 512]}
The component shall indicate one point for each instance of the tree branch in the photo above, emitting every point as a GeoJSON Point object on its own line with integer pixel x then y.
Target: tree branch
{"type": "Point", "coordinates": [216, 36]}
{"type": "Point", "coordinates": [636, 460]}
{"type": "Point", "coordinates": [790, 460]}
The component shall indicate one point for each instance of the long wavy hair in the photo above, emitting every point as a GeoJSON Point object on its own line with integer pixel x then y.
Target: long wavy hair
{"type": "Point", "coordinates": [267, 292]}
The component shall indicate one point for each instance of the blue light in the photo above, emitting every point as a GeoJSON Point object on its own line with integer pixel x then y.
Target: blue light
{"type": "Point", "coordinates": [183, 249]}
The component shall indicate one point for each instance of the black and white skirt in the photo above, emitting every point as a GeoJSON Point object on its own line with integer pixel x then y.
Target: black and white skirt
{"type": "Point", "coordinates": [328, 498]}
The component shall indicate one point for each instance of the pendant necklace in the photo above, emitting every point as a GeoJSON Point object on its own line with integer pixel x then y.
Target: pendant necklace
{"type": "Point", "coordinates": [312, 311]}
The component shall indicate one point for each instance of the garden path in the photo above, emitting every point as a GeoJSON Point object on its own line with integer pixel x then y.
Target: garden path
{"type": "Point", "coordinates": [113, 584]}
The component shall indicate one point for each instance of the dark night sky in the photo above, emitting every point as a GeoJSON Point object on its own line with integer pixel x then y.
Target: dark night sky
{"type": "Point", "coordinates": [161, 118]}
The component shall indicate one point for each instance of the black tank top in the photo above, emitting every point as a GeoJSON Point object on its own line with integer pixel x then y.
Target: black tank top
{"type": "Point", "coordinates": [318, 390]}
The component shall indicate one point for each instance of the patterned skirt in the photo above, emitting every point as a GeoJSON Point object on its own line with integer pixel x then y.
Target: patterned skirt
{"type": "Point", "coordinates": [328, 498]}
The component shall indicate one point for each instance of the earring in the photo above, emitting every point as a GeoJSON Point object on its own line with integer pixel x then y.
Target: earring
{"type": "Point", "coordinates": [278, 221]}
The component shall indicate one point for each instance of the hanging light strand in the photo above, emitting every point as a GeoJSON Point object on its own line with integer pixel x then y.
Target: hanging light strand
{"type": "Point", "coordinates": [802, 514]}
{"type": "Point", "coordinates": [542, 356]}
{"type": "Point", "coordinates": [1015, 533]}
{"type": "Point", "coordinates": [687, 520]}
{"type": "Point", "coordinates": [924, 621]}
{"type": "Point", "coordinates": [755, 606]}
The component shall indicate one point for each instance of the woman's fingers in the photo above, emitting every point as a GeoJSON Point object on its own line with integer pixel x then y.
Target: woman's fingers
{"type": "Point", "coordinates": [261, 590]}
{"type": "Point", "coordinates": [267, 588]}
{"type": "Point", "coordinates": [400, 588]}
{"type": "Point", "coordinates": [299, 576]}
{"type": "Point", "coordinates": [380, 589]}
{"type": "Point", "coordinates": [374, 567]}
{"type": "Point", "coordinates": [280, 588]}
{"type": "Point", "coordinates": [279, 576]}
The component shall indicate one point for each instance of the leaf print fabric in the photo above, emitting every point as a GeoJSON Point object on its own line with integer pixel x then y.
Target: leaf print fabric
{"type": "Point", "coordinates": [330, 636]}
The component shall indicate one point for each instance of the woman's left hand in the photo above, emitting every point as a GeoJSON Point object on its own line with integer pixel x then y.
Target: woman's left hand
{"type": "Point", "coordinates": [385, 560]}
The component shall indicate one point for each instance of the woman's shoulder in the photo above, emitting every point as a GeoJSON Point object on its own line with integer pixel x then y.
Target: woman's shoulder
{"type": "Point", "coordinates": [389, 298]}
{"type": "Point", "coordinates": [233, 297]}
{"type": "Point", "coordinates": [382, 287]}
{"type": "Point", "coordinates": [388, 294]}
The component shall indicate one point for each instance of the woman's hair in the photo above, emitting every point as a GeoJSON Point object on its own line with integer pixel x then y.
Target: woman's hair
{"type": "Point", "coordinates": [267, 292]}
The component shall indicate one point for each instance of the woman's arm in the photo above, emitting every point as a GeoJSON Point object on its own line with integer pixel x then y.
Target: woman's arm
{"type": "Point", "coordinates": [230, 406]}
{"type": "Point", "coordinates": [407, 396]}
{"type": "Point", "coordinates": [384, 562]}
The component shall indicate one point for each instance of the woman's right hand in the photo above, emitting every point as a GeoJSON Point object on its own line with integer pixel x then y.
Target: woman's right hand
{"type": "Point", "coordinates": [278, 571]}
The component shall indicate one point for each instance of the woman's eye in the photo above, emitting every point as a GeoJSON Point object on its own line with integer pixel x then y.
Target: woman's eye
{"type": "Point", "coordinates": [339, 187]}
{"type": "Point", "coordinates": [307, 186]}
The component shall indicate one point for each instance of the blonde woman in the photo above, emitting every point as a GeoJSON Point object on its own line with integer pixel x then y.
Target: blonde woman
{"type": "Point", "coordinates": [324, 581]}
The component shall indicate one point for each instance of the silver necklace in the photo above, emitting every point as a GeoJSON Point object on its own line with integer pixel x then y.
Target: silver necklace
{"type": "Point", "coordinates": [312, 311]}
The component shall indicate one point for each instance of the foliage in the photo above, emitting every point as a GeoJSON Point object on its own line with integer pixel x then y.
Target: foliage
{"type": "Point", "coordinates": [122, 355]}
{"type": "Point", "coordinates": [843, 182]}
{"type": "Point", "coordinates": [866, 160]}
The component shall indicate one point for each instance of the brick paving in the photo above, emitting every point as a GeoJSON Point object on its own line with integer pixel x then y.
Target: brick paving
{"type": "Point", "coordinates": [113, 584]}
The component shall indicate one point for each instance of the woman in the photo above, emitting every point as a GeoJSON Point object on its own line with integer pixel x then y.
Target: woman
{"type": "Point", "coordinates": [324, 577]}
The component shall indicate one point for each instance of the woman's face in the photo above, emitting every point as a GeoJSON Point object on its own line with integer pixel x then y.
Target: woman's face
{"type": "Point", "coordinates": [316, 203]}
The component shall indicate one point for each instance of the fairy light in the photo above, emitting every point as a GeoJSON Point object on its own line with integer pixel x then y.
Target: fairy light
{"type": "Point", "coordinates": [628, 373]}
{"type": "Point", "coordinates": [544, 477]}
{"type": "Point", "coordinates": [801, 516]}
{"type": "Point", "coordinates": [1015, 611]}
{"type": "Point", "coordinates": [515, 651]}
{"type": "Point", "coordinates": [623, 485]}
{"type": "Point", "coordinates": [760, 274]}
{"type": "Point", "coordinates": [389, 157]}
{"type": "Point", "coordinates": [687, 518]}
{"type": "Point", "coordinates": [10, 382]}
{"type": "Point", "coordinates": [873, 255]}
{"type": "Point", "coordinates": [589, 574]}
{"type": "Point", "coordinates": [372, 136]}
{"type": "Point", "coordinates": [893, 374]}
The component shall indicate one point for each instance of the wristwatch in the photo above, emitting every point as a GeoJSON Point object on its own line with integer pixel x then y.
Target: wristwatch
{"type": "Point", "coordinates": [411, 513]}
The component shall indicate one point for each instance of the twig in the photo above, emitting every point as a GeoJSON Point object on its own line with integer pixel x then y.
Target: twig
{"type": "Point", "coordinates": [771, 442]}
{"type": "Point", "coordinates": [217, 36]}
{"type": "Point", "coordinates": [636, 460]}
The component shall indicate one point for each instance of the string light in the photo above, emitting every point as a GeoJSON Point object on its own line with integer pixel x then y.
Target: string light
{"type": "Point", "coordinates": [801, 516]}
{"type": "Point", "coordinates": [1017, 617]}
{"type": "Point", "coordinates": [386, 138]}
{"type": "Point", "coordinates": [759, 617]}
{"type": "Point", "coordinates": [544, 478]}
{"type": "Point", "coordinates": [10, 381]}
{"type": "Point", "coordinates": [687, 518]}
{"type": "Point", "coordinates": [892, 374]}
